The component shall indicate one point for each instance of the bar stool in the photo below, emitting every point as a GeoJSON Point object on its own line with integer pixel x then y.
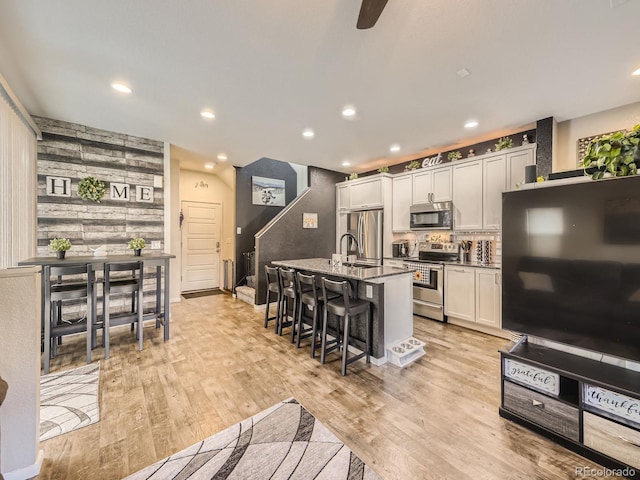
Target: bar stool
{"type": "Point", "coordinates": [344, 307]}
{"type": "Point", "coordinates": [308, 292]}
{"type": "Point", "coordinates": [289, 293]}
{"type": "Point", "coordinates": [273, 286]}
{"type": "Point", "coordinates": [61, 291]}
{"type": "Point", "coordinates": [133, 285]}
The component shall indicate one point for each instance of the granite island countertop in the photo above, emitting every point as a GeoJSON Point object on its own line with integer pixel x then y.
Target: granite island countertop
{"type": "Point", "coordinates": [323, 265]}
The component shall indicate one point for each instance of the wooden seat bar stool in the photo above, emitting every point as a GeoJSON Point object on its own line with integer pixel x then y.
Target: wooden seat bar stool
{"type": "Point", "coordinates": [55, 293]}
{"type": "Point", "coordinates": [289, 291]}
{"type": "Point", "coordinates": [273, 287]}
{"type": "Point", "coordinates": [131, 284]}
{"type": "Point", "coordinates": [345, 307]}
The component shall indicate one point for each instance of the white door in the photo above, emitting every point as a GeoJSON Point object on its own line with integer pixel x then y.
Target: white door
{"type": "Point", "coordinates": [201, 245]}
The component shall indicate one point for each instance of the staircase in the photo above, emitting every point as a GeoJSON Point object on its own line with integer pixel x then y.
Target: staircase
{"type": "Point", "coordinates": [246, 294]}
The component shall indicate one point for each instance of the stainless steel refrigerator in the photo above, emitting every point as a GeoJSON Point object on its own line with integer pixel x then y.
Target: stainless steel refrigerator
{"type": "Point", "coordinates": [366, 227]}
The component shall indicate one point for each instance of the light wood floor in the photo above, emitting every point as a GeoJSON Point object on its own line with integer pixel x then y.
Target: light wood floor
{"type": "Point", "coordinates": [437, 418]}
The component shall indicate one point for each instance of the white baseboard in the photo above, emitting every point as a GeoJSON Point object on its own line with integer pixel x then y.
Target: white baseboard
{"type": "Point", "coordinates": [27, 472]}
{"type": "Point", "coordinates": [175, 299]}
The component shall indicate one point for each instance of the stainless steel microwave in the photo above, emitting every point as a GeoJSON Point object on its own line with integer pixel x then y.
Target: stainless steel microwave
{"type": "Point", "coordinates": [431, 216]}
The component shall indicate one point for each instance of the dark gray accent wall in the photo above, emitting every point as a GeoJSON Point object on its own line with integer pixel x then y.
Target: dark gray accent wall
{"type": "Point", "coordinates": [251, 218]}
{"type": "Point", "coordinates": [544, 150]}
{"type": "Point", "coordinates": [480, 149]}
{"type": "Point", "coordinates": [287, 240]}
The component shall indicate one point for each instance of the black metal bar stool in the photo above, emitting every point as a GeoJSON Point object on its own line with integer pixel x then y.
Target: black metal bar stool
{"type": "Point", "coordinates": [313, 300]}
{"type": "Point", "coordinates": [273, 286]}
{"type": "Point", "coordinates": [345, 307]}
{"type": "Point", "coordinates": [60, 291]}
{"type": "Point", "coordinates": [131, 284]}
{"type": "Point", "coordinates": [289, 292]}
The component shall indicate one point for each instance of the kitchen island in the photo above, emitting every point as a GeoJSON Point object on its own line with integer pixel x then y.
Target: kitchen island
{"type": "Point", "coordinates": [387, 288]}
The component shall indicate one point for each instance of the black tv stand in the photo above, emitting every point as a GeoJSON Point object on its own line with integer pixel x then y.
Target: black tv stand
{"type": "Point", "coordinates": [587, 406]}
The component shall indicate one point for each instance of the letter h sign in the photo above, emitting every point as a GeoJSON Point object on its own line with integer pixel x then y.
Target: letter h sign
{"type": "Point", "coordinates": [58, 186]}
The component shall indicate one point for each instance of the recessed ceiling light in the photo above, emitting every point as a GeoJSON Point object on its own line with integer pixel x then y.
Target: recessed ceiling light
{"type": "Point", "coordinates": [208, 114]}
{"type": "Point", "coordinates": [209, 166]}
{"type": "Point", "coordinates": [222, 157]}
{"type": "Point", "coordinates": [308, 133]}
{"type": "Point", "coordinates": [471, 124]}
{"type": "Point", "coordinates": [346, 164]}
{"type": "Point", "coordinates": [121, 87]}
{"type": "Point", "coordinates": [349, 111]}
{"type": "Point", "coordinates": [636, 73]}
{"type": "Point", "coordinates": [394, 148]}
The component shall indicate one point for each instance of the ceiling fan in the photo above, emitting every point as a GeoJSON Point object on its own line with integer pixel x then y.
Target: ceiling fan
{"type": "Point", "coordinates": [369, 13]}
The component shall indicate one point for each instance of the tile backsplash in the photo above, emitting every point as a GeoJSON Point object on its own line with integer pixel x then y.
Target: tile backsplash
{"type": "Point", "coordinates": [445, 236]}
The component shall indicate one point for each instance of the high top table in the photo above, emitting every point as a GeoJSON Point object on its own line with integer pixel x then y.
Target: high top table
{"type": "Point", "coordinates": [159, 260]}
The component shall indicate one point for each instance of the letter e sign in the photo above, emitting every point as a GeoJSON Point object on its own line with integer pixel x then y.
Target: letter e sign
{"type": "Point", "coordinates": [144, 194]}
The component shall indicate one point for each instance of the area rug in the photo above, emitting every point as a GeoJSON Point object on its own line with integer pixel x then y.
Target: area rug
{"type": "Point", "coordinates": [282, 442]}
{"type": "Point", "coordinates": [68, 400]}
{"type": "Point", "coordinates": [203, 293]}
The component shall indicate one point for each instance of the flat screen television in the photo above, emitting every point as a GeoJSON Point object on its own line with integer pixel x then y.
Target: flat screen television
{"type": "Point", "coordinates": [571, 264]}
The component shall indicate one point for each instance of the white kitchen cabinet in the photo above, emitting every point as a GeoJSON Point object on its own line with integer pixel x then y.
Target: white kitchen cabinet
{"type": "Point", "coordinates": [401, 202]}
{"type": "Point", "coordinates": [459, 292]}
{"type": "Point", "coordinates": [494, 181]}
{"type": "Point", "coordinates": [516, 161]}
{"type": "Point", "coordinates": [367, 194]}
{"type": "Point", "coordinates": [432, 185]}
{"type": "Point", "coordinates": [467, 196]}
{"type": "Point", "coordinates": [344, 197]}
{"type": "Point", "coordinates": [388, 262]}
{"type": "Point", "coordinates": [442, 184]}
{"type": "Point", "coordinates": [422, 183]}
{"type": "Point", "coordinates": [473, 294]}
{"type": "Point", "coordinates": [488, 297]}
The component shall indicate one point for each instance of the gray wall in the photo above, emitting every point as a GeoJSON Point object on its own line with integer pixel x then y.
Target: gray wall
{"type": "Point", "coordinates": [287, 240]}
{"type": "Point", "coordinates": [251, 218]}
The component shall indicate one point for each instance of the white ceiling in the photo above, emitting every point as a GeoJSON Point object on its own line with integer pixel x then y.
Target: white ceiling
{"type": "Point", "coordinates": [269, 69]}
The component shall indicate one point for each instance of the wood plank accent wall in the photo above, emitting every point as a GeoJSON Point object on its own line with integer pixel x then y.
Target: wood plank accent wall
{"type": "Point", "coordinates": [77, 151]}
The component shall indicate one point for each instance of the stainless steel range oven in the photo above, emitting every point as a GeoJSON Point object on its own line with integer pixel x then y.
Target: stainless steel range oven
{"type": "Point", "coordinates": [428, 278]}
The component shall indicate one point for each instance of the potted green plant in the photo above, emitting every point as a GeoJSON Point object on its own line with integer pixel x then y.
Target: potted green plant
{"type": "Point", "coordinates": [415, 164]}
{"type": "Point", "coordinates": [90, 188]}
{"type": "Point", "coordinates": [617, 155]}
{"type": "Point", "coordinates": [454, 156]}
{"type": "Point", "coordinates": [353, 176]}
{"type": "Point", "coordinates": [137, 244]}
{"type": "Point", "coordinates": [504, 143]}
{"type": "Point", "coordinates": [60, 246]}
{"type": "Point", "coordinates": [384, 169]}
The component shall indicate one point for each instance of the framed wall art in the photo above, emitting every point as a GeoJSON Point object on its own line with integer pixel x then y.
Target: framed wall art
{"type": "Point", "coordinates": [267, 191]}
{"type": "Point", "coordinates": [309, 220]}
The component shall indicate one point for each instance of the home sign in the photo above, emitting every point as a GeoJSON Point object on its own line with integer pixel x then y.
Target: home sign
{"type": "Point", "coordinates": [430, 162]}
{"type": "Point", "coordinates": [533, 377]}
{"type": "Point", "coordinates": [61, 187]}
{"type": "Point", "coordinates": [621, 406]}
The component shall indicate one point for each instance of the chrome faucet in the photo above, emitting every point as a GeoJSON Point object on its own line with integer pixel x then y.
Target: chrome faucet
{"type": "Point", "coordinates": [351, 237]}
